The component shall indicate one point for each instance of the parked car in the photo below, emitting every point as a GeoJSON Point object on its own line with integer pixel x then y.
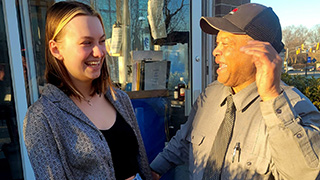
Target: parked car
{"type": "Point", "coordinates": [290, 68]}
{"type": "Point", "coordinates": [309, 68]}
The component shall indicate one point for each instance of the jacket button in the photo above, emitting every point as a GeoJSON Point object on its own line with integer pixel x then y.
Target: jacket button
{"type": "Point", "coordinates": [279, 111]}
{"type": "Point", "coordinates": [299, 135]}
{"type": "Point", "coordinates": [249, 163]}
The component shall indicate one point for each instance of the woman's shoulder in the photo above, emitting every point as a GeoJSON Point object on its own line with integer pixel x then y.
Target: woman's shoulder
{"type": "Point", "coordinates": [45, 101]}
{"type": "Point", "coordinates": [120, 99]}
{"type": "Point", "coordinates": [36, 116]}
{"type": "Point", "coordinates": [39, 107]}
{"type": "Point", "coordinates": [119, 94]}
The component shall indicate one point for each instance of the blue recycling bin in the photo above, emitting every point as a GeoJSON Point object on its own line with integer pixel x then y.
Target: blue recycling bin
{"type": "Point", "coordinates": [152, 115]}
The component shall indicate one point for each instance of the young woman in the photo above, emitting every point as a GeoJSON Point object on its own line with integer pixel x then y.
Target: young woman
{"type": "Point", "coordinates": [81, 127]}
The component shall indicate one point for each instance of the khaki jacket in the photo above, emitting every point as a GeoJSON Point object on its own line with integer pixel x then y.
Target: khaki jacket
{"type": "Point", "coordinates": [279, 139]}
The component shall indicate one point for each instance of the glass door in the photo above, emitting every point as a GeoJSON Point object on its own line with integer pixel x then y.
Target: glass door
{"type": "Point", "coordinates": [11, 111]}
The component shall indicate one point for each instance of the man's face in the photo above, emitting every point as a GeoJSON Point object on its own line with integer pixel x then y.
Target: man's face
{"type": "Point", "coordinates": [236, 69]}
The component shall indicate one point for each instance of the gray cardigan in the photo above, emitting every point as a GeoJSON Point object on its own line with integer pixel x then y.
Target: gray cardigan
{"type": "Point", "coordinates": [63, 143]}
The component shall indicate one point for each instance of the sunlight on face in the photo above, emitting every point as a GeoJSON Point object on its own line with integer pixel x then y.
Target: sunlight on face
{"type": "Point", "coordinates": [236, 69]}
{"type": "Point", "coordinates": [83, 48]}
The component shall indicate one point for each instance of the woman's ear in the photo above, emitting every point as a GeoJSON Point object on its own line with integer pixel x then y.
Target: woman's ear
{"type": "Point", "coordinates": [53, 46]}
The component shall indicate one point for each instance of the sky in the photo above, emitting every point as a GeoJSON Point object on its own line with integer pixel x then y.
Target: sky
{"type": "Point", "coordinates": [295, 12]}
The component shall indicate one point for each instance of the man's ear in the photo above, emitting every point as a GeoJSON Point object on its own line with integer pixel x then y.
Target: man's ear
{"type": "Point", "coordinates": [53, 46]}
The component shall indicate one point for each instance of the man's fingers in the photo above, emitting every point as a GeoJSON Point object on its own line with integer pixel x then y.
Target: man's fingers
{"type": "Point", "coordinates": [261, 51]}
{"type": "Point", "coordinates": [265, 47]}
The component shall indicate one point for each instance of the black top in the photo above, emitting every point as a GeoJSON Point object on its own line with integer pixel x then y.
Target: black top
{"type": "Point", "coordinates": [124, 148]}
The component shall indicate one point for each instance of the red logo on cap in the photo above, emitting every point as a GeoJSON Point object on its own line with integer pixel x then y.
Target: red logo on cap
{"type": "Point", "coordinates": [233, 11]}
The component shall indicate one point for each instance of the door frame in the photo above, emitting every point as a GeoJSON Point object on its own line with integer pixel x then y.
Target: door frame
{"type": "Point", "coordinates": [202, 65]}
{"type": "Point", "coordinates": [196, 49]}
{"type": "Point", "coordinates": [18, 84]}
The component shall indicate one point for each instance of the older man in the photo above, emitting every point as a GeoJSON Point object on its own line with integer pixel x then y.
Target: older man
{"type": "Point", "coordinates": [247, 125]}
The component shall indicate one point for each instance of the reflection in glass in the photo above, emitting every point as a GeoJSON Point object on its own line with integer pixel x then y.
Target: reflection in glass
{"type": "Point", "coordinates": [10, 160]}
{"type": "Point", "coordinates": [38, 10]}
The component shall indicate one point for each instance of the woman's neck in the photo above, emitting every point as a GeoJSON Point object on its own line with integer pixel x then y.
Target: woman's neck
{"type": "Point", "coordinates": [85, 88]}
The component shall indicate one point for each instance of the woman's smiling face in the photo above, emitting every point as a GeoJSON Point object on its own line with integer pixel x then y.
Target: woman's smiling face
{"type": "Point", "coordinates": [82, 48]}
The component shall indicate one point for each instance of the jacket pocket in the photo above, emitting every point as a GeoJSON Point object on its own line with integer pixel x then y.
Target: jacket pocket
{"type": "Point", "coordinates": [196, 138]}
{"type": "Point", "coordinates": [250, 167]}
{"type": "Point", "coordinates": [258, 164]}
{"type": "Point", "coordinates": [255, 164]}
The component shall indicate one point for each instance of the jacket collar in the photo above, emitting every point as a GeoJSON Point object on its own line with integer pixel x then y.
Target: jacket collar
{"type": "Point", "coordinates": [62, 101]}
{"type": "Point", "coordinates": [117, 104]}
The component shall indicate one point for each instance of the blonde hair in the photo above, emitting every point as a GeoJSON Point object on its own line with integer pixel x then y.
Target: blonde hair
{"type": "Point", "coordinates": [58, 16]}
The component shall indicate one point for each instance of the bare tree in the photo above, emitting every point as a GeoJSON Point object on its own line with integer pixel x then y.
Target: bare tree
{"type": "Point", "coordinates": [314, 36]}
{"type": "Point", "coordinates": [293, 38]}
{"type": "Point", "coordinates": [173, 12]}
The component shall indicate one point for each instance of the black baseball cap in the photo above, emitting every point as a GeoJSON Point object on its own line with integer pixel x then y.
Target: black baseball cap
{"type": "Point", "coordinates": [255, 20]}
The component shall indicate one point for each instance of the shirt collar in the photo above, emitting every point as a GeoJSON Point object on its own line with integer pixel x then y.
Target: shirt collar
{"type": "Point", "coordinates": [244, 98]}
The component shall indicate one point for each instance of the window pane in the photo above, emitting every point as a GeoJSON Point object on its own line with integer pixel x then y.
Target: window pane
{"type": "Point", "coordinates": [10, 160]}
{"type": "Point", "coordinates": [38, 10]}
